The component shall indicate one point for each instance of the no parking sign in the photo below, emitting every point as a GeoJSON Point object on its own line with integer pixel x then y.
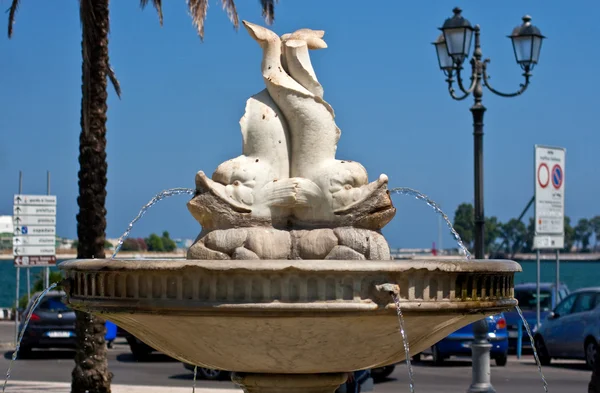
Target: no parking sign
{"type": "Point", "coordinates": [549, 197]}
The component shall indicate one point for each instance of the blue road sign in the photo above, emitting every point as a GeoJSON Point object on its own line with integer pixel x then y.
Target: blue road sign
{"type": "Point", "coordinates": [557, 176]}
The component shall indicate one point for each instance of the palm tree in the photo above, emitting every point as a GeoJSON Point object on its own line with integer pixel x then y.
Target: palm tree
{"type": "Point", "coordinates": [91, 374]}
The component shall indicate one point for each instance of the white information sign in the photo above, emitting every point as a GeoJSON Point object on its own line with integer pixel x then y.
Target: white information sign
{"type": "Point", "coordinates": [34, 220]}
{"type": "Point", "coordinates": [34, 250]}
{"type": "Point", "coordinates": [27, 210]}
{"type": "Point", "coordinates": [34, 230]}
{"type": "Point", "coordinates": [549, 197]}
{"type": "Point", "coordinates": [34, 241]}
{"type": "Point", "coordinates": [39, 200]}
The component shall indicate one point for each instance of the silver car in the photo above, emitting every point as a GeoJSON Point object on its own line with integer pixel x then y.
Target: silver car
{"type": "Point", "coordinates": [572, 330]}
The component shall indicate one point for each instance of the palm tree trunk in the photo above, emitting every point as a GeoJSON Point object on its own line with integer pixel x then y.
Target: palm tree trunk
{"type": "Point", "coordinates": [91, 366]}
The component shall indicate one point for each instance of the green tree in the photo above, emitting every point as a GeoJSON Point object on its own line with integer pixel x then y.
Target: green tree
{"type": "Point", "coordinates": [514, 236]}
{"type": "Point", "coordinates": [38, 285]}
{"type": "Point", "coordinates": [464, 223]}
{"type": "Point", "coordinates": [569, 235]}
{"type": "Point", "coordinates": [155, 243]}
{"type": "Point", "coordinates": [530, 233]}
{"type": "Point", "coordinates": [583, 231]}
{"type": "Point", "coordinates": [131, 244]}
{"type": "Point", "coordinates": [492, 232]}
{"type": "Point", "coordinates": [168, 243]}
{"type": "Point", "coordinates": [595, 223]}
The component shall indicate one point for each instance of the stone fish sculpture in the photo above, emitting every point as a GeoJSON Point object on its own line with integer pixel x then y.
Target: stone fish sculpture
{"type": "Point", "coordinates": [287, 180]}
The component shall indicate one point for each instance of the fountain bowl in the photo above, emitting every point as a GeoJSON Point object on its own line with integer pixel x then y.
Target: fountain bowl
{"type": "Point", "coordinates": [289, 316]}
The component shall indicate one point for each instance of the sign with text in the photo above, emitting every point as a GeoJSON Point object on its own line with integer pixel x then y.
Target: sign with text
{"type": "Point", "coordinates": [34, 210]}
{"type": "Point", "coordinates": [35, 261]}
{"type": "Point", "coordinates": [34, 240]}
{"type": "Point", "coordinates": [34, 250]}
{"type": "Point", "coordinates": [549, 197]}
{"type": "Point", "coordinates": [39, 200]}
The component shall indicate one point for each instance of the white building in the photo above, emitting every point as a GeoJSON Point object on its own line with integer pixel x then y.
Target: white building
{"type": "Point", "coordinates": [6, 232]}
{"type": "Point", "coordinates": [6, 224]}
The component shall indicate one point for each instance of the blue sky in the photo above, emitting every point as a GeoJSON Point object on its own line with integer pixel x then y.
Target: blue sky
{"type": "Point", "coordinates": [182, 100]}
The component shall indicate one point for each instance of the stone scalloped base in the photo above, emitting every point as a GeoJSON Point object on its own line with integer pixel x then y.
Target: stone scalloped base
{"type": "Point", "coordinates": [289, 383]}
{"type": "Point", "coordinates": [344, 243]}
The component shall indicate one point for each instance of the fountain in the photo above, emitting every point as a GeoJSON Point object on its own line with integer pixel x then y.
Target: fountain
{"type": "Point", "coordinates": [290, 270]}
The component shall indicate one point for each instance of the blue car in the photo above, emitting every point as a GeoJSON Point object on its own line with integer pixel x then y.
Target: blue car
{"type": "Point", "coordinates": [459, 342]}
{"type": "Point", "coordinates": [526, 294]}
{"type": "Point", "coordinates": [52, 325]}
{"type": "Point", "coordinates": [572, 330]}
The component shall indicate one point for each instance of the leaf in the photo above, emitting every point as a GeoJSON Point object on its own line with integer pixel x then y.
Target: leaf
{"type": "Point", "coordinates": [114, 81]}
{"type": "Point", "coordinates": [14, 6]}
{"type": "Point", "coordinates": [229, 6]}
{"type": "Point", "coordinates": [268, 10]}
{"type": "Point", "coordinates": [157, 5]}
{"type": "Point", "coordinates": [198, 10]}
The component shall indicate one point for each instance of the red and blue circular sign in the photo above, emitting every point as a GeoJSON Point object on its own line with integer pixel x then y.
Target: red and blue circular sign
{"type": "Point", "coordinates": [557, 176]}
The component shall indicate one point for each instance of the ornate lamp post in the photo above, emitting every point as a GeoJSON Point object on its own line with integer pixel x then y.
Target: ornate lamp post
{"type": "Point", "coordinates": [453, 47]}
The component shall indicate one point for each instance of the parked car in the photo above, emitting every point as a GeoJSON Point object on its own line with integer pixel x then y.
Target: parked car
{"type": "Point", "coordinates": [52, 325]}
{"type": "Point", "coordinates": [572, 330]}
{"type": "Point", "coordinates": [459, 343]}
{"type": "Point", "coordinates": [526, 294]}
{"type": "Point", "coordinates": [139, 349]}
{"type": "Point", "coordinates": [209, 373]}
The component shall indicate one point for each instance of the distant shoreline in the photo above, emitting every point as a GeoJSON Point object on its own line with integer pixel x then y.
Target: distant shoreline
{"type": "Point", "coordinates": [587, 257]}
{"type": "Point", "coordinates": [122, 254]}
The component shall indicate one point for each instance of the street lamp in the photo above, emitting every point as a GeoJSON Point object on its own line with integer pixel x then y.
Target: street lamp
{"type": "Point", "coordinates": [452, 49]}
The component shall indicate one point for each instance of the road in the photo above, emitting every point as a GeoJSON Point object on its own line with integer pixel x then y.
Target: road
{"type": "Point", "coordinates": [455, 376]}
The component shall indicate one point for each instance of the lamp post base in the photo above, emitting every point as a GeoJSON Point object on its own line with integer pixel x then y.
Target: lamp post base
{"type": "Point", "coordinates": [289, 383]}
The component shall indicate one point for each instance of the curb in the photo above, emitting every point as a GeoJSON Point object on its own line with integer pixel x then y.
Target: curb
{"type": "Point", "coordinates": [57, 387]}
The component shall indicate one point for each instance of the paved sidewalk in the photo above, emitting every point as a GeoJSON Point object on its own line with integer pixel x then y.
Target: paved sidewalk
{"type": "Point", "coordinates": [7, 334]}
{"type": "Point", "coordinates": [54, 387]}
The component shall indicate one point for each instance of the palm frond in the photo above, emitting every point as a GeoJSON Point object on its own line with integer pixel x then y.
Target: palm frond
{"type": "Point", "coordinates": [157, 5]}
{"type": "Point", "coordinates": [114, 81]}
{"type": "Point", "coordinates": [14, 6]}
{"type": "Point", "coordinates": [229, 6]}
{"type": "Point", "coordinates": [198, 10]}
{"type": "Point", "coordinates": [268, 10]}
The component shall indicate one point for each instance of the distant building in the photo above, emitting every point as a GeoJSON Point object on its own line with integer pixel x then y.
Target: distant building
{"type": "Point", "coordinates": [6, 224]}
{"type": "Point", "coordinates": [64, 243]}
{"type": "Point", "coordinates": [6, 232]}
{"type": "Point", "coordinates": [183, 243]}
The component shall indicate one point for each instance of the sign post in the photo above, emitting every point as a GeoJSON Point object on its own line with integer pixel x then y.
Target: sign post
{"type": "Point", "coordinates": [549, 208]}
{"type": "Point", "coordinates": [34, 236]}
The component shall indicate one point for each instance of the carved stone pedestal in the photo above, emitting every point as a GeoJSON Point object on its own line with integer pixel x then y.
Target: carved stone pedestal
{"type": "Point", "coordinates": [343, 243]}
{"type": "Point", "coordinates": [289, 383]}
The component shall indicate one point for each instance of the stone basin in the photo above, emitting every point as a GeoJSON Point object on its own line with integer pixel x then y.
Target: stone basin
{"type": "Point", "coordinates": [289, 316]}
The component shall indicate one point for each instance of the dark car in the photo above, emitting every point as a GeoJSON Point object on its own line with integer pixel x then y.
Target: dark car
{"type": "Point", "coordinates": [209, 373]}
{"type": "Point", "coordinates": [526, 295]}
{"type": "Point", "coordinates": [52, 325]}
{"type": "Point", "coordinates": [459, 342]}
{"type": "Point", "coordinates": [572, 330]}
